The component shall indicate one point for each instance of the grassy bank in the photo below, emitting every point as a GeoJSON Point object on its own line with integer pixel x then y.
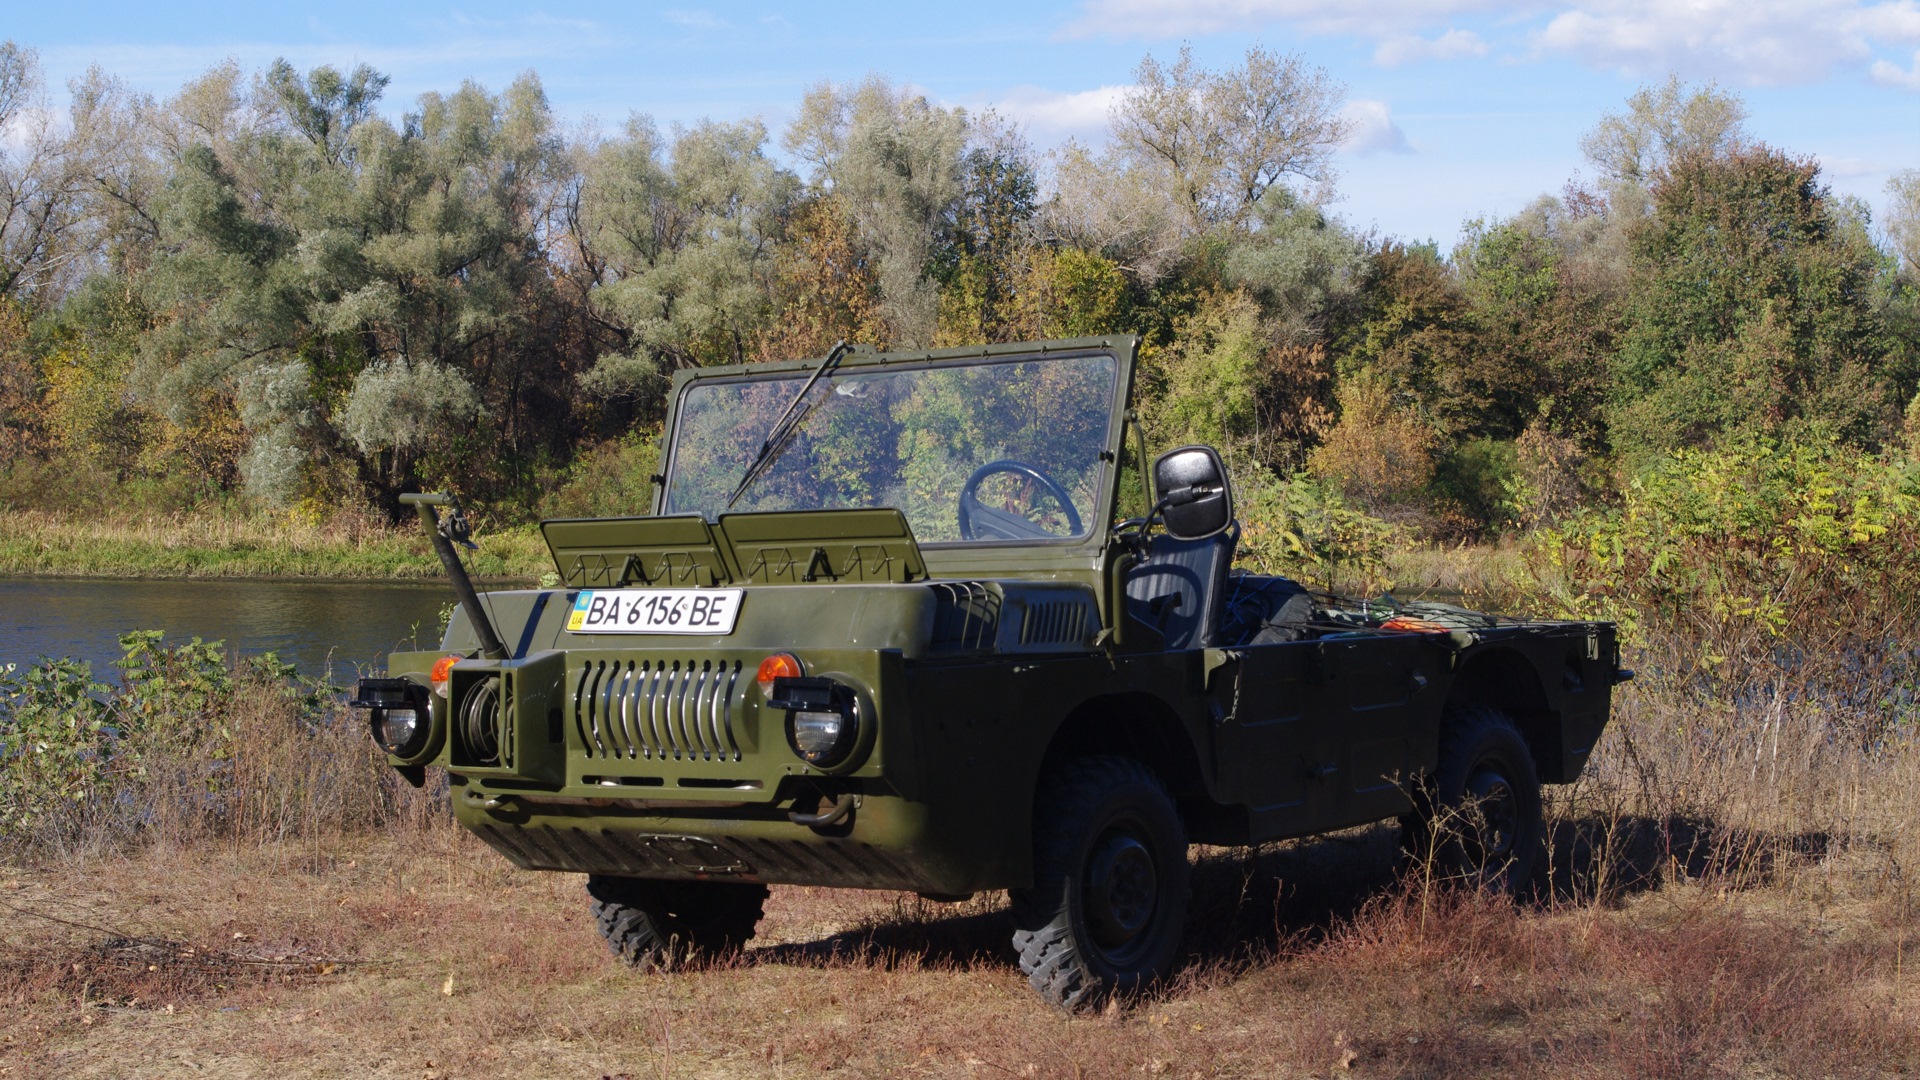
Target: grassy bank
{"type": "Point", "coordinates": [201, 545]}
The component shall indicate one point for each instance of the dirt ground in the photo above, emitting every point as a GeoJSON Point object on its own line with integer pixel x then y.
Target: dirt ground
{"type": "Point", "coordinates": [427, 957]}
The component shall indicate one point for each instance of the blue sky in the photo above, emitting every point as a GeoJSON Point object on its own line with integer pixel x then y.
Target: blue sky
{"type": "Point", "coordinates": [1463, 108]}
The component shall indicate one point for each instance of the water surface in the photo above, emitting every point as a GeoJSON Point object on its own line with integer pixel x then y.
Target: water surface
{"type": "Point", "coordinates": [325, 628]}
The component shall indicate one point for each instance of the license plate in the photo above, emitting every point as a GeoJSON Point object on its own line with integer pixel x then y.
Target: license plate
{"type": "Point", "coordinates": [655, 611]}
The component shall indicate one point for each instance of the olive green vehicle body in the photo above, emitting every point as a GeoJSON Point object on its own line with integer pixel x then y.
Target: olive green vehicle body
{"type": "Point", "coordinates": [977, 667]}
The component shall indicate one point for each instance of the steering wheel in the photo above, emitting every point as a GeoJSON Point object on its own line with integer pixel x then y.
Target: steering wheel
{"type": "Point", "coordinates": [978, 521]}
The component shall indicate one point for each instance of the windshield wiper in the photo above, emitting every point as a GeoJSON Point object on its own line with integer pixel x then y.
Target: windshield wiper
{"type": "Point", "coordinates": [788, 423]}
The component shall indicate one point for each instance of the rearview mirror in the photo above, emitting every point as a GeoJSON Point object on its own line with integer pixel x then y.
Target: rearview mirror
{"type": "Point", "coordinates": [1194, 494]}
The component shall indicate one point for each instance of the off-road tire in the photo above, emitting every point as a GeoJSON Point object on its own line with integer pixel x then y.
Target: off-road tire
{"type": "Point", "coordinates": [656, 925]}
{"type": "Point", "coordinates": [1109, 900]}
{"type": "Point", "coordinates": [1476, 820]}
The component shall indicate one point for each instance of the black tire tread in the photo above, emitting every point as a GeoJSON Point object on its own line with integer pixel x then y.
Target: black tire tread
{"type": "Point", "coordinates": [645, 923]}
{"type": "Point", "coordinates": [1464, 727]}
{"type": "Point", "coordinates": [1052, 964]}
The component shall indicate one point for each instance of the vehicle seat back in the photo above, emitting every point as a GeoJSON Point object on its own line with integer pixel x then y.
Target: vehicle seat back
{"type": "Point", "coordinates": [1178, 588]}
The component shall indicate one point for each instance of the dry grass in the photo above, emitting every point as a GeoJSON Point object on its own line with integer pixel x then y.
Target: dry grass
{"type": "Point", "coordinates": [208, 544]}
{"type": "Point", "coordinates": [425, 955]}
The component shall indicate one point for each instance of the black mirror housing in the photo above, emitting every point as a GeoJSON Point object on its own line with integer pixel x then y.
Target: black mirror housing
{"type": "Point", "coordinates": [1194, 492]}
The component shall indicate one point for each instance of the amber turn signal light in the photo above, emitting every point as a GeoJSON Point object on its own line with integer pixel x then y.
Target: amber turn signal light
{"type": "Point", "coordinates": [442, 671]}
{"type": "Point", "coordinates": [778, 666]}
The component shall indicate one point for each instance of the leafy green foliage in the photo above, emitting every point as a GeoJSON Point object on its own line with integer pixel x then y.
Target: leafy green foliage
{"type": "Point", "coordinates": [55, 739]}
{"type": "Point", "coordinates": [1751, 314]}
{"type": "Point", "coordinates": [193, 739]}
{"type": "Point", "coordinates": [265, 290]}
{"type": "Point", "coordinates": [1307, 530]}
{"type": "Point", "coordinates": [1790, 538]}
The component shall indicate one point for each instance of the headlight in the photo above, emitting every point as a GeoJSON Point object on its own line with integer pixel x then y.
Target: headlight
{"type": "Point", "coordinates": [398, 715]}
{"type": "Point", "coordinates": [402, 731]}
{"type": "Point", "coordinates": [823, 719]}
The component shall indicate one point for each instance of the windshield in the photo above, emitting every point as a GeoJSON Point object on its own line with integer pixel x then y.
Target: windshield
{"type": "Point", "coordinates": [1008, 450]}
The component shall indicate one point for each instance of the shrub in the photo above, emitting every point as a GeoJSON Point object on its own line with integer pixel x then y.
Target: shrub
{"type": "Point", "coordinates": [193, 743]}
{"type": "Point", "coordinates": [1306, 530]}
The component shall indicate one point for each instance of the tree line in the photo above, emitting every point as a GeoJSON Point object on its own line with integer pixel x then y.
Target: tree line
{"type": "Point", "coordinates": [264, 291]}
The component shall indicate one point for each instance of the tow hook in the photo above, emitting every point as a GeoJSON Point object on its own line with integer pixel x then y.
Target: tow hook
{"type": "Point", "coordinates": [841, 811]}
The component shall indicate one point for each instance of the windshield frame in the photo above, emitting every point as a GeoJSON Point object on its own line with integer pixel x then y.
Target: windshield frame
{"type": "Point", "coordinates": [1121, 350]}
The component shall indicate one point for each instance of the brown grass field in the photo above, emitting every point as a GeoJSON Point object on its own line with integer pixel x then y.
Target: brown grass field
{"type": "Point", "coordinates": [427, 956]}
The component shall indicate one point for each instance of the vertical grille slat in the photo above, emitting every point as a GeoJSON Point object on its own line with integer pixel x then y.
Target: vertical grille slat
{"type": "Point", "coordinates": [629, 694]}
{"type": "Point", "coordinates": [649, 709]}
{"type": "Point", "coordinates": [680, 707]}
{"type": "Point", "coordinates": [593, 711]}
{"type": "Point", "coordinates": [663, 703]}
{"type": "Point", "coordinates": [616, 698]}
{"type": "Point", "coordinates": [708, 747]}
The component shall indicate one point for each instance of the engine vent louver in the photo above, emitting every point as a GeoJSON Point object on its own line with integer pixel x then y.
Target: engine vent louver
{"type": "Point", "coordinates": [966, 616]}
{"type": "Point", "coordinates": [657, 709]}
{"type": "Point", "coordinates": [1055, 622]}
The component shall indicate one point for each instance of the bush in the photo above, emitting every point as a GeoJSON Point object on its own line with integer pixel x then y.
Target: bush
{"type": "Point", "coordinates": [1305, 529]}
{"type": "Point", "coordinates": [1769, 595]}
{"type": "Point", "coordinates": [1794, 540]}
{"type": "Point", "coordinates": [192, 744]}
{"type": "Point", "coordinates": [613, 479]}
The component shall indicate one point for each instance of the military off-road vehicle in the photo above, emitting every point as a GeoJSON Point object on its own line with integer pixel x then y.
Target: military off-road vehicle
{"type": "Point", "coordinates": [926, 621]}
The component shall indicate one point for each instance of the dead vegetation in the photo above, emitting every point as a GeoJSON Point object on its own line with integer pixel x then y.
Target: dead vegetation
{"type": "Point", "coordinates": [1695, 950]}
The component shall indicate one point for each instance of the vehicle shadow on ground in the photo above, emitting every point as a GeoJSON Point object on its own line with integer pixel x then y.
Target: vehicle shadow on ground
{"type": "Point", "coordinates": [1282, 897]}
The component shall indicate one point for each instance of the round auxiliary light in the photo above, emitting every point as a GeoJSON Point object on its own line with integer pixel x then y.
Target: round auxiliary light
{"type": "Point", "coordinates": [778, 666]}
{"type": "Point", "coordinates": [403, 730]}
{"type": "Point", "coordinates": [824, 737]}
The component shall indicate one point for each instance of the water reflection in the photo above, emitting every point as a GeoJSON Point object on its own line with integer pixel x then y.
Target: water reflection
{"type": "Point", "coordinates": [323, 628]}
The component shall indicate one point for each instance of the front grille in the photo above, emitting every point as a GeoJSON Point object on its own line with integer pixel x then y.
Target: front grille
{"type": "Point", "coordinates": [658, 709]}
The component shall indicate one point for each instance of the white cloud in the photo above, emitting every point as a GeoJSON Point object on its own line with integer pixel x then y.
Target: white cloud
{"type": "Point", "coordinates": [1407, 48]}
{"type": "Point", "coordinates": [694, 19]}
{"type": "Point", "coordinates": [1848, 168]}
{"type": "Point", "coordinates": [1181, 18]}
{"type": "Point", "coordinates": [1050, 112]}
{"type": "Point", "coordinates": [1764, 42]}
{"type": "Point", "coordinates": [1372, 130]}
{"type": "Point", "coordinates": [1771, 42]}
{"type": "Point", "coordinates": [1891, 74]}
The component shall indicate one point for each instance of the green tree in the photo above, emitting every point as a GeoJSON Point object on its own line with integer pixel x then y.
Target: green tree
{"type": "Point", "coordinates": [895, 160]}
{"type": "Point", "coordinates": [683, 241]}
{"type": "Point", "coordinates": [1752, 311]}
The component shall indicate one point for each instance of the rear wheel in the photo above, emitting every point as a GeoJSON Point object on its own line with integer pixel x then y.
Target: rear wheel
{"type": "Point", "coordinates": [1109, 899]}
{"type": "Point", "coordinates": [1478, 819]}
{"type": "Point", "coordinates": [658, 924]}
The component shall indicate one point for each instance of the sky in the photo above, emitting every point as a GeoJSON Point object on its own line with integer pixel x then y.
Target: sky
{"type": "Point", "coordinates": [1460, 109]}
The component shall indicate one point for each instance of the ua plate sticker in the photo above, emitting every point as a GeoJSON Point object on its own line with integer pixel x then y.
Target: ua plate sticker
{"type": "Point", "coordinates": [709, 612]}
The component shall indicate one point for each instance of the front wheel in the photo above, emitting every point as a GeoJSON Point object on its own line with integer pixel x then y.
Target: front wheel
{"type": "Point", "coordinates": [1109, 899]}
{"type": "Point", "coordinates": [655, 924]}
{"type": "Point", "coordinates": [1478, 819]}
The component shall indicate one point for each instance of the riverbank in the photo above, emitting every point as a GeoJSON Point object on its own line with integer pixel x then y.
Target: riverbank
{"type": "Point", "coordinates": [45, 544]}
{"type": "Point", "coordinates": [38, 543]}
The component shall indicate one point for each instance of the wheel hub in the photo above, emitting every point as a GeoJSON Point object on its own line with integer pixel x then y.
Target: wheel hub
{"type": "Point", "coordinates": [1122, 888]}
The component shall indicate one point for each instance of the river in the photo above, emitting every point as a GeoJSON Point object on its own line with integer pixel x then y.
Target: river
{"type": "Point", "coordinates": [327, 629]}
